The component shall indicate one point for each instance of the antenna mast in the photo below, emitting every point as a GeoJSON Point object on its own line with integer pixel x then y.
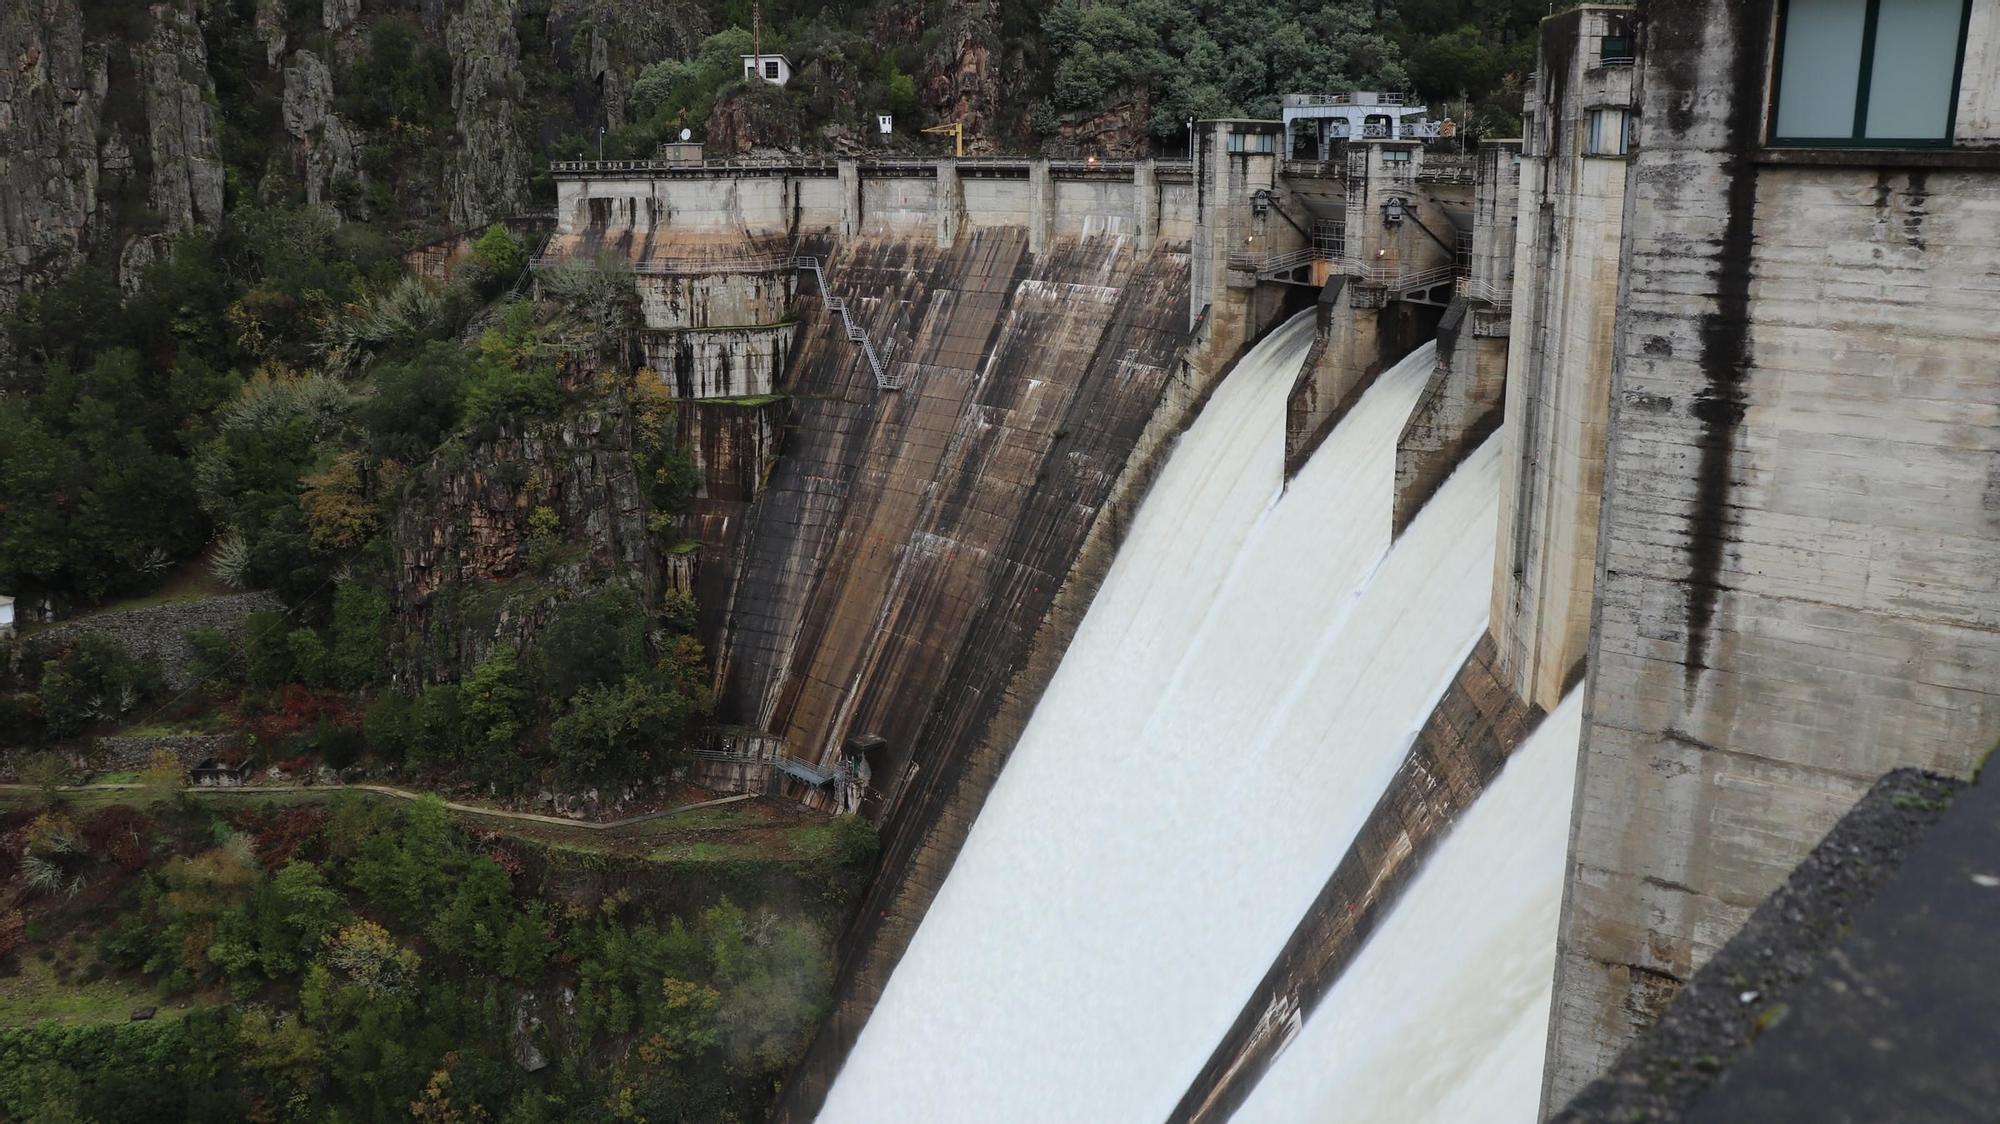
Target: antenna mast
{"type": "Point", "coordinates": [757, 35]}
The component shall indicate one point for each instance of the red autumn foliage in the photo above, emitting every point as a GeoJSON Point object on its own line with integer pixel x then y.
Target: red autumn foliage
{"type": "Point", "coordinates": [121, 834]}
{"type": "Point", "coordinates": [293, 710]}
{"type": "Point", "coordinates": [279, 833]}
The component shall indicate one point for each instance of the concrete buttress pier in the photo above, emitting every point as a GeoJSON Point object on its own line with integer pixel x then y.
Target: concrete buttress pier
{"type": "Point", "coordinates": [1794, 582]}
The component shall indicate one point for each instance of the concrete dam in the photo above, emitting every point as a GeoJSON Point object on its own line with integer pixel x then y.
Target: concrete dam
{"type": "Point", "coordinates": [1334, 627]}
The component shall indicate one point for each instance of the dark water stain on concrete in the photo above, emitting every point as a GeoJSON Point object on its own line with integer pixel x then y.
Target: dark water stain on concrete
{"type": "Point", "coordinates": [1725, 341]}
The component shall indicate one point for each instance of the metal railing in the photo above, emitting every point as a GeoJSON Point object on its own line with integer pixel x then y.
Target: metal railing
{"type": "Point", "coordinates": [825, 167]}
{"type": "Point", "coordinates": [684, 267]}
{"type": "Point", "coordinates": [885, 379]}
{"type": "Point", "coordinates": [1500, 296]}
{"type": "Point", "coordinates": [1263, 264]}
{"type": "Point", "coordinates": [800, 769]}
{"type": "Point", "coordinates": [1303, 101]}
{"type": "Point", "coordinates": [1448, 168]}
{"type": "Point", "coordinates": [1395, 277]}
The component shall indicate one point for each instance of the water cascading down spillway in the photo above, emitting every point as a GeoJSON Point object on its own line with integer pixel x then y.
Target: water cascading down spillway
{"type": "Point", "coordinates": [1246, 682]}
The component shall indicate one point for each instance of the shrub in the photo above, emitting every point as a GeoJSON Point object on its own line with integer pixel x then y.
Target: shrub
{"type": "Point", "coordinates": [217, 658]}
{"type": "Point", "coordinates": [498, 255]}
{"type": "Point", "coordinates": [267, 650]}
{"type": "Point", "coordinates": [121, 834]}
{"type": "Point", "coordinates": [47, 771]}
{"type": "Point", "coordinates": [96, 679]}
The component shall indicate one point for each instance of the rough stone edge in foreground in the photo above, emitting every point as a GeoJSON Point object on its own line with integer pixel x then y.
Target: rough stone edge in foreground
{"type": "Point", "coordinates": [1709, 1026]}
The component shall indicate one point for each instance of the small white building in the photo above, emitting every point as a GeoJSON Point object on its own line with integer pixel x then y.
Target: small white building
{"type": "Point", "coordinates": [6, 616]}
{"type": "Point", "coordinates": [775, 69]}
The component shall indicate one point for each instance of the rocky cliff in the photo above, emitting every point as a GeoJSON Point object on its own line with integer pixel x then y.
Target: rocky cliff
{"type": "Point", "coordinates": [108, 136]}
{"type": "Point", "coordinates": [490, 537]}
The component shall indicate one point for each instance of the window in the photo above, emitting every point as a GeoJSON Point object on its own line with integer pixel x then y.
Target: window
{"type": "Point", "coordinates": [1253, 142]}
{"type": "Point", "coordinates": [1395, 156]}
{"type": "Point", "coordinates": [1610, 133]}
{"type": "Point", "coordinates": [1868, 71]}
{"type": "Point", "coordinates": [1615, 49]}
{"type": "Point", "coordinates": [771, 70]}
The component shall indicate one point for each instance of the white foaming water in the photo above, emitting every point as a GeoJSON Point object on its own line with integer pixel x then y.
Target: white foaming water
{"type": "Point", "coordinates": [1246, 681]}
{"type": "Point", "coordinates": [1442, 1015]}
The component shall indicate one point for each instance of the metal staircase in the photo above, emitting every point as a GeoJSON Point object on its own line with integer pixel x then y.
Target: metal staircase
{"type": "Point", "coordinates": [885, 379]}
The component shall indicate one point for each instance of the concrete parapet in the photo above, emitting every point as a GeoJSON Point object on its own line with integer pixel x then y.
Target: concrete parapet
{"type": "Point", "coordinates": [949, 204]}
{"type": "Point", "coordinates": [1459, 408]}
{"type": "Point", "coordinates": [1041, 207]}
{"type": "Point", "coordinates": [849, 175]}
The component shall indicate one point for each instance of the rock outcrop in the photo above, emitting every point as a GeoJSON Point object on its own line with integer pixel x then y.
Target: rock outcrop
{"type": "Point", "coordinates": [473, 570]}
{"type": "Point", "coordinates": [179, 100]}
{"type": "Point", "coordinates": [325, 149]}
{"type": "Point", "coordinates": [51, 94]}
{"type": "Point", "coordinates": [489, 172]}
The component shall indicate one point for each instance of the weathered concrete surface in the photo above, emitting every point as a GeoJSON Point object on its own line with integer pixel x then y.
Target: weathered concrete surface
{"type": "Point", "coordinates": [1461, 747]}
{"type": "Point", "coordinates": [1363, 329]}
{"type": "Point", "coordinates": [1055, 554]}
{"type": "Point", "coordinates": [1898, 1023]}
{"type": "Point", "coordinates": [1354, 344]}
{"type": "Point", "coordinates": [1459, 408]}
{"type": "Point", "coordinates": [1796, 588]}
{"type": "Point", "coordinates": [1566, 272]}
{"type": "Point", "coordinates": [1710, 1027]}
{"type": "Point", "coordinates": [744, 362]}
{"type": "Point", "coordinates": [893, 519]}
{"type": "Point", "coordinates": [734, 446]}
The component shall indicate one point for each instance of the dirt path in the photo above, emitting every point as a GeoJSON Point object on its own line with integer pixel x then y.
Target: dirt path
{"type": "Point", "coordinates": [409, 794]}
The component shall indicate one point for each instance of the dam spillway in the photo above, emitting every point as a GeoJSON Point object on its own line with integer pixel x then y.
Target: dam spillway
{"type": "Point", "coordinates": [1244, 685]}
{"type": "Point", "coordinates": [1442, 1016]}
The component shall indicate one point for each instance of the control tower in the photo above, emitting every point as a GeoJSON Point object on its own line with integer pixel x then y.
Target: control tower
{"type": "Point", "coordinates": [1358, 115]}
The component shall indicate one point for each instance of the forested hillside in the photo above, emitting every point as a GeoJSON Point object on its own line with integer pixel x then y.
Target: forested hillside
{"type": "Point", "coordinates": [275, 376]}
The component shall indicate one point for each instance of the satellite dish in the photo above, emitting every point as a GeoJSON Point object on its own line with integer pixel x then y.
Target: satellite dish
{"type": "Point", "coordinates": [687, 134]}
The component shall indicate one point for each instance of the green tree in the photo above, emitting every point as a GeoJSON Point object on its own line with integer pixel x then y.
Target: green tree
{"type": "Point", "coordinates": [621, 731]}
{"type": "Point", "coordinates": [477, 918]}
{"type": "Point", "coordinates": [498, 255]}
{"type": "Point", "coordinates": [360, 634]}
{"type": "Point", "coordinates": [493, 706]}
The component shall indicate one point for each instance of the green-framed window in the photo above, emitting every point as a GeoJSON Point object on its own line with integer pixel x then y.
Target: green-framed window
{"type": "Point", "coordinates": [1868, 72]}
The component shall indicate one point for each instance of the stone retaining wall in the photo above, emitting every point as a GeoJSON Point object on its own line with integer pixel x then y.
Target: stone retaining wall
{"type": "Point", "coordinates": [160, 632]}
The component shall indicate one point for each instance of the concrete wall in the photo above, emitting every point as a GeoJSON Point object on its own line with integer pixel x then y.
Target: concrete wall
{"type": "Point", "coordinates": [649, 215]}
{"type": "Point", "coordinates": [1977, 122]}
{"type": "Point", "coordinates": [920, 558]}
{"type": "Point", "coordinates": [719, 362]}
{"type": "Point", "coordinates": [1796, 579]}
{"type": "Point", "coordinates": [715, 300]}
{"type": "Point", "coordinates": [1566, 275]}
{"type": "Point", "coordinates": [1460, 407]}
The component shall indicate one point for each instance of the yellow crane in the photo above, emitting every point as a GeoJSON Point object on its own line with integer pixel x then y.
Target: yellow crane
{"type": "Point", "coordinates": [956, 130]}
